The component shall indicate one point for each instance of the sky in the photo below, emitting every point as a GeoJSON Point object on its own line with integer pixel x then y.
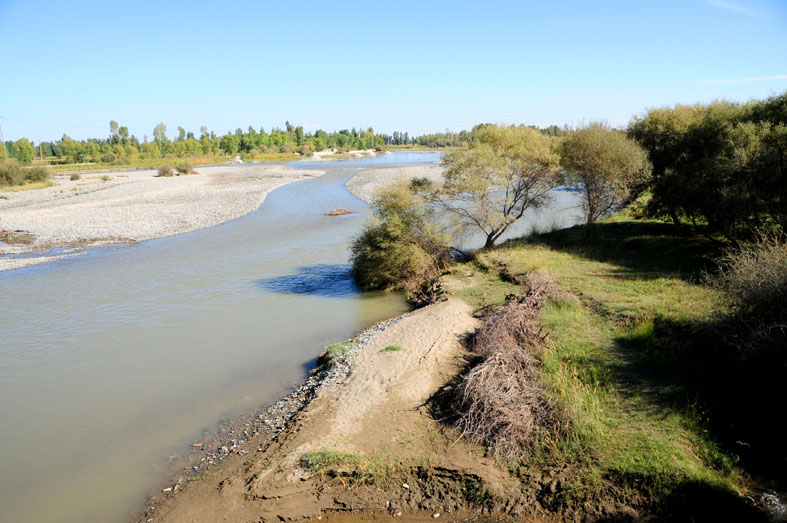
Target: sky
{"type": "Point", "coordinates": [427, 66]}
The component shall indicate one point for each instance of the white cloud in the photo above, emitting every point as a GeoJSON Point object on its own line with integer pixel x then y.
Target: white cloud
{"type": "Point", "coordinates": [751, 79]}
{"type": "Point", "coordinates": [732, 6]}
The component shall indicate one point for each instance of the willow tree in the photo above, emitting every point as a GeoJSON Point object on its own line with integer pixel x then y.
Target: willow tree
{"type": "Point", "coordinates": [503, 173]}
{"type": "Point", "coordinates": [605, 165]}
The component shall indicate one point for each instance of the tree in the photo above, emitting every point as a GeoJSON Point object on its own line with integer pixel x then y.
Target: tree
{"type": "Point", "coordinates": [491, 184]}
{"type": "Point", "coordinates": [113, 130]}
{"type": "Point", "coordinates": [181, 134]}
{"type": "Point", "coordinates": [3, 152]}
{"type": "Point", "coordinates": [160, 132]}
{"type": "Point", "coordinates": [24, 150]}
{"type": "Point", "coordinates": [123, 133]}
{"type": "Point", "coordinates": [403, 248]}
{"type": "Point", "coordinates": [606, 165]}
{"type": "Point", "coordinates": [230, 143]}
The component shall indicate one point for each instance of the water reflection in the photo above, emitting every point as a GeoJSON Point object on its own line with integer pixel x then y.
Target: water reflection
{"type": "Point", "coordinates": [334, 280]}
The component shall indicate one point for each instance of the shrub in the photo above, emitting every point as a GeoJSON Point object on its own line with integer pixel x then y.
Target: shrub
{"type": "Point", "coordinates": [404, 249]}
{"type": "Point", "coordinates": [36, 174]}
{"type": "Point", "coordinates": [75, 177]}
{"type": "Point", "coordinates": [184, 167]}
{"type": "Point", "coordinates": [108, 157]}
{"type": "Point", "coordinates": [754, 280]}
{"type": "Point", "coordinates": [11, 173]}
{"type": "Point", "coordinates": [165, 170]}
{"type": "Point", "coordinates": [392, 348]}
{"type": "Point", "coordinates": [332, 353]}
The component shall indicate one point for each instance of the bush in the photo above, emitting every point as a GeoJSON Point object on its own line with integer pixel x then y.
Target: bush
{"type": "Point", "coordinates": [165, 170]}
{"type": "Point", "coordinates": [184, 167]}
{"type": "Point", "coordinates": [75, 177]}
{"type": "Point", "coordinates": [404, 249]}
{"type": "Point", "coordinates": [108, 157]}
{"type": "Point", "coordinates": [11, 173]}
{"type": "Point", "coordinates": [36, 174]}
{"type": "Point", "coordinates": [332, 353]}
{"type": "Point", "coordinates": [754, 280]}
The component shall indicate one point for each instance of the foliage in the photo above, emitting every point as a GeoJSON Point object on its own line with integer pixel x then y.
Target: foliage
{"type": "Point", "coordinates": [721, 165]}
{"type": "Point", "coordinates": [505, 172]}
{"type": "Point", "coordinates": [3, 153]}
{"type": "Point", "coordinates": [165, 170]}
{"type": "Point", "coordinates": [74, 177]}
{"type": "Point", "coordinates": [754, 280]}
{"type": "Point", "coordinates": [184, 167]}
{"type": "Point", "coordinates": [24, 151]}
{"type": "Point", "coordinates": [108, 157]}
{"type": "Point", "coordinates": [606, 165]}
{"type": "Point", "coordinates": [12, 172]}
{"type": "Point", "coordinates": [332, 353]}
{"type": "Point", "coordinates": [403, 248]}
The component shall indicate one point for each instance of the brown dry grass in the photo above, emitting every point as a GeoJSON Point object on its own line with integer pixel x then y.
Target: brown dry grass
{"type": "Point", "coordinates": [503, 400]}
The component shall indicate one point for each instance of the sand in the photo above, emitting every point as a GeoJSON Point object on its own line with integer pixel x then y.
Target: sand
{"type": "Point", "coordinates": [133, 206]}
{"type": "Point", "coordinates": [379, 407]}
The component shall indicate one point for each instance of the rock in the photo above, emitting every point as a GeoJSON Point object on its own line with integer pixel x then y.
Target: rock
{"type": "Point", "coordinates": [436, 515]}
{"type": "Point", "coordinates": [168, 489]}
{"type": "Point", "coordinates": [405, 485]}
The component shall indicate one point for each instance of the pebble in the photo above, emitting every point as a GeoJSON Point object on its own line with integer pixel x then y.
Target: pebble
{"type": "Point", "coordinates": [405, 485]}
{"type": "Point", "coordinates": [168, 489]}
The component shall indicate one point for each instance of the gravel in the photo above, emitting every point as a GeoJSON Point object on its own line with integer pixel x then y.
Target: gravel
{"type": "Point", "coordinates": [134, 206]}
{"type": "Point", "coordinates": [366, 184]}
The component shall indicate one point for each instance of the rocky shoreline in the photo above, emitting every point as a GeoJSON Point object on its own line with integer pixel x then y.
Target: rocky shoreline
{"type": "Point", "coordinates": [233, 437]}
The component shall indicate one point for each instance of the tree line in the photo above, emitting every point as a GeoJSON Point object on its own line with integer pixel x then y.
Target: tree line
{"type": "Point", "coordinates": [122, 147]}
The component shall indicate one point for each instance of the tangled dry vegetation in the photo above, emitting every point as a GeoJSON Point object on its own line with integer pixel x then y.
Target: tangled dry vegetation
{"type": "Point", "coordinates": [503, 400]}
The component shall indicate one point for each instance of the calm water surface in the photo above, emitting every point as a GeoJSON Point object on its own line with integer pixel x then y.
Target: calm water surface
{"type": "Point", "coordinates": [113, 361]}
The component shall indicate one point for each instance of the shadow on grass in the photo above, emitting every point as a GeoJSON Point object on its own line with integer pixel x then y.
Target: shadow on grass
{"type": "Point", "coordinates": [331, 280]}
{"type": "Point", "coordinates": [731, 384]}
{"type": "Point", "coordinates": [641, 249]}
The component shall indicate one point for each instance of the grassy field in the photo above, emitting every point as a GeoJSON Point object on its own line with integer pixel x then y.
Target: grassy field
{"type": "Point", "coordinates": [637, 432]}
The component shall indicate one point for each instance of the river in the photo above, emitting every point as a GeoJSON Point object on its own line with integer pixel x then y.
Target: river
{"type": "Point", "coordinates": [114, 361]}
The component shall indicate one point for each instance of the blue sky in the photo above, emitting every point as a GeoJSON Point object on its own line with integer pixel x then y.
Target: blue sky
{"type": "Point", "coordinates": [70, 67]}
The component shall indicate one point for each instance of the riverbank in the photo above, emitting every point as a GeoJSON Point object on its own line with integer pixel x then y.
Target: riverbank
{"type": "Point", "coordinates": [632, 446]}
{"type": "Point", "coordinates": [131, 206]}
{"type": "Point", "coordinates": [367, 184]}
{"type": "Point", "coordinates": [364, 422]}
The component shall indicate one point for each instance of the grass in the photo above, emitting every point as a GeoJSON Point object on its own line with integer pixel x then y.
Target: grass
{"type": "Point", "coordinates": [380, 469]}
{"type": "Point", "coordinates": [26, 187]}
{"type": "Point", "coordinates": [392, 348]}
{"type": "Point", "coordinates": [632, 433]}
{"type": "Point", "coordinates": [332, 353]}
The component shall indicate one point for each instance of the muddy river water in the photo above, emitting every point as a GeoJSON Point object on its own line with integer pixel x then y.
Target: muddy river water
{"type": "Point", "coordinates": [113, 361]}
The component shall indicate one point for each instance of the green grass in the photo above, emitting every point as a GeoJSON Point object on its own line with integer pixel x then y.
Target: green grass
{"type": "Point", "coordinates": [381, 469]}
{"type": "Point", "coordinates": [392, 348]}
{"type": "Point", "coordinates": [332, 353]}
{"type": "Point", "coordinates": [630, 433]}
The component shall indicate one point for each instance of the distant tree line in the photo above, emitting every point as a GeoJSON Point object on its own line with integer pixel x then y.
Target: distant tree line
{"type": "Point", "coordinates": [121, 147]}
{"type": "Point", "coordinates": [721, 166]}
